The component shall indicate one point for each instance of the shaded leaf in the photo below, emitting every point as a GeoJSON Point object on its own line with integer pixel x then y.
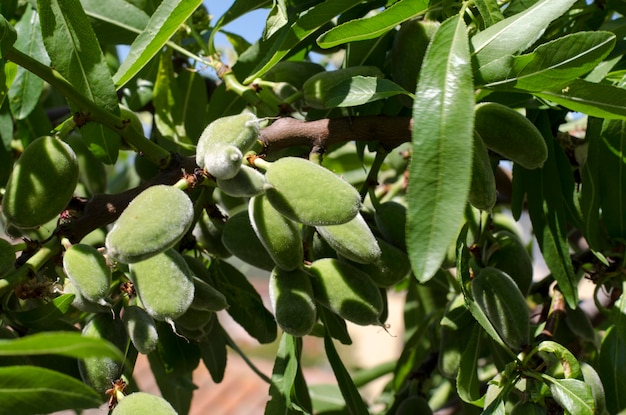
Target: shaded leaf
{"type": "Point", "coordinates": [571, 367]}
{"type": "Point", "coordinates": [591, 378]}
{"type": "Point", "coordinates": [26, 390]}
{"type": "Point", "coordinates": [489, 11]}
{"type": "Point", "coordinates": [354, 402]}
{"type": "Point", "coordinates": [76, 53]}
{"type": "Point", "coordinates": [213, 352]}
{"type": "Point", "coordinates": [439, 171]}
{"type": "Point", "coordinates": [61, 343]}
{"type": "Point", "coordinates": [372, 26]}
{"type": "Point", "coordinates": [7, 35]}
{"type": "Point", "coordinates": [276, 19]}
{"type": "Point", "coordinates": [556, 62]}
{"type": "Point", "coordinates": [467, 381]}
{"type": "Point", "coordinates": [165, 21]}
{"type": "Point", "coordinates": [26, 88]}
{"type": "Point", "coordinates": [284, 374]}
{"type": "Point", "coordinates": [285, 40]}
{"type": "Point", "coordinates": [115, 21]}
{"type": "Point", "coordinates": [612, 359]}
{"type": "Point", "coordinates": [518, 32]}
{"type": "Point", "coordinates": [596, 100]}
{"type": "Point", "coordinates": [44, 316]}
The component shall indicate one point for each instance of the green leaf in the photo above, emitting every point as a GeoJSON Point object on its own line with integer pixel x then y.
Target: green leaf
{"type": "Point", "coordinates": [612, 359]}
{"type": "Point", "coordinates": [277, 18]}
{"type": "Point", "coordinates": [571, 367]}
{"type": "Point", "coordinates": [165, 21]}
{"type": "Point", "coordinates": [284, 374]}
{"type": "Point", "coordinates": [213, 352]}
{"type": "Point", "coordinates": [354, 402]}
{"type": "Point", "coordinates": [596, 100]}
{"type": "Point", "coordinates": [245, 303]}
{"type": "Point", "coordinates": [555, 63]}
{"type": "Point", "coordinates": [72, 43]}
{"type": "Point", "coordinates": [61, 343]}
{"type": "Point", "coordinates": [518, 32]}
{"type": "Point", "coordinates": [26, 88]}
{"type": "Point", "coordinates": [115, 21]}
{"type": "Point", "coordinates": [285, 40]}
{"type": "Point", "coordinates": [7, 35]}
{"type": "Point", "coordinates": [467, 382]}
{"type": "Point", "coordinates": [489, 11]}
{"type": "Point", "coordinates": [439, 172]}
{"type": "Point", "coordinates": [44, 316]}
{"type": "Point", "coordinates": [360, 90]}
{"type": "Point", "coordinates": [26, 390]}
{"type": "Point", "coordinates": [372, 26]}
{"type": "Point", "coordinates": [572, 394]}
{"type": "Point", "coordinates": [238, 9]}
{"type": "Point", "coordinates": [592, 378]}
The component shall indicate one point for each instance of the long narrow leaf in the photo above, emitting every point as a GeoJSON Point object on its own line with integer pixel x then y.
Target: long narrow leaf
{"type": "Point", "coordinates": [302, 28]}
{"type": "Point", "coordinates": [556, 62]}
{"type": "Point", "coordinates": [27, 87]}
{"type": "Point", "coordinates": [26, 390]}
{"type": "Point", "coordinates": [572, 394]}
{"type": "Point", "coordinates": [518, 32]}
{"type": "Point", "coordinates": [238, 9]}
{"type": "Point", "coordinates": [372, 26]}
{"type": "Point", "coordinates": [116, 21]}
{"type": "Point", "coordinates": [162, 25]}
{"type": "Point", "coordinates": [61, 343]}
{"type": "Point", "coordinates": [439, 172]}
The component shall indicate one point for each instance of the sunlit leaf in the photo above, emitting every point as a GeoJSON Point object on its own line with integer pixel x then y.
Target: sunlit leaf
{"type": "Point", "coordinates": [439, 172]}
{"type": "Point", "coordinates": [372, 26]}
{"type": "Point", "coordinates": [360, 90]}
{"type": "Point", "coordinates": [116, 21]}
{"type": "Point", "coordinates": [572, 394]}
{"type": "Point", "coordinates": [597, 100]}
{"type": "Point", "coordinates": [489, 11]}
{"type": "Point", "coordinates": [61, 343]}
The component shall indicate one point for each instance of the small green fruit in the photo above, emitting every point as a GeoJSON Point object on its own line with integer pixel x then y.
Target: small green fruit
{"type": "Point", "coordinates": [346, 291]}
{"type": "Point", "coordinates": [164, 285]}
{"type": "Point", "coordinates": [152, 223]}
{"type": "Point", "coordinates": [510, 134]}
{"type": "Point", "coordinates": [390, 219]}
{"type": "Point", "coordinates": [241, 240]}
{"type": "Point", "coordinates": [81, 303]}
{"type": "Point", "coordinates": [223, 142]}
{"type": "Point", "coordinates": [482, 194]}
{"type": "Point", "coordinates": [141, 329]}
{"type": "Point", "coordinates": [88, 271]}
{"type": "Point", "coordinates": [278, 234]}
{"type": "Point", "coordinates": [299, 187]}
{"type": "Point", "coordinates": [142, 403]}
{"type": "Point", "coordinates": [497, 295]}
{"type": "Point", "coordinates": [92, 173]}
{"type": "Point", "coordinates": [390, 268]}
{"type": "Point", "coordinates": [248, 182]}
{"type": "Point", "coordinates": [208, 233]}
{"type": "Point", "coordinates": [291, 295]}
{"type": "Point", "coordinates": [100, 372]}
{"type": "Point", "coordinates": [353, 240]}
{"type": "Point", "coordinates": [207, 297]}
{"type": "Point", "coordinates": [41, 184]}
{"type": "Point", "coordinates": [194, 320]}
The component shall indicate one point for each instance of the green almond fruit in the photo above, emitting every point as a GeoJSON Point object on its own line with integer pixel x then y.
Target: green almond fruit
{"type": "Point", "coordinates": [292, 299]}
{"type": "Point", "coordinates": [510, 134]}
{"type": "Point", "coordinates": [88, 271]}
{"type": "Point", "coordinates": [100, 372]}
{"type": "Point", "coordinates": [208, 233]}
{"type": "Point", "coordinates": [241, 240]}
{"type": "Point", "coordinates": [390, 219]}
{"type": "Point", "coordinates": [91, 172]}
{"type": "Point", "coordinates": [164, 284]}
{"type": "Point", "coordinates": [279, 235]}
{"type": "Point", "coordinates": [408, 50]}
{"type": "Point", "coordinates": [153, 222]}
{"type": "Point", "coordinates": [509, 254]}
{"type": "Point", "coordinates": [353, 240]}
{"type": "Point", "coordinates": [248, 182]}
{"type": "Point", "coordinates": [482, 193]}
{"type": "Point", "coordinates": [346, 291]}
{"type": "Point", "coordinates": [222, 144]}
{"type": "Point", "coordinates": [319, 87]}
{"type": "Point", "coordinates": [141, 329]}
{"type": "Point", "coordinates": [81, 303]}
{"type": "Point", "coordinates": [143, 403]}
{"type": "Point", "coordinates": [194, 320]}
{"type": "Point", "coordinates": [207, 297]}
{"type": "Point", "coordinates": [310, 194]}
{"type": "Point", "coordinates": [41, 184]}
{"type": "Point", "coordinates": [391, 267]}
{"type": "Point", "coordinates": [500, 299]}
